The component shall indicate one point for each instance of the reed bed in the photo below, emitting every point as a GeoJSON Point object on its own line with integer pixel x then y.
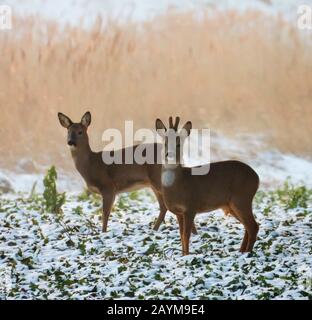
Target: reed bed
{"type": "Point", "coordinates": [232, 72]}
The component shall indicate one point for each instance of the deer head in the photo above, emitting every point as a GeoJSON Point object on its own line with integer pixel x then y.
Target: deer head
{"type": "Point", "coordinates": [76, 132]}
{"type": "Point", "coordinates": [173, 139]}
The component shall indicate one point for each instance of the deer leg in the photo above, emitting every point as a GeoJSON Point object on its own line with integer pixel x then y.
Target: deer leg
{"type": "Point", "coordinates": [194, 230]}
{"type": "Point", "coordinates": [181, 227]}
{"type": "Point", "coordinates": [188, 222]}
{"type": "Point", "coordinates": [108, 201]}
{"type": "Point", "coordinates": [244, 242]}
{"type": "Point", "coordinates": [163, 210]}
{"type": "Point", "coordinates": [244, 214]}
{"type": "Point", "coordinates": [252, 230]}
{"type": "Point", "coordinates": [245, 239]}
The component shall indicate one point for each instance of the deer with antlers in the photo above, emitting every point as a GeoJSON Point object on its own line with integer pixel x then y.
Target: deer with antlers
{"type": "Point", "coordinates": [228, 185]}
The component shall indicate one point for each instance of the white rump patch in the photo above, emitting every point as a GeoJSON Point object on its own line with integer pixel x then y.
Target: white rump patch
{"type": "Point", "coordinates": [167, 178]}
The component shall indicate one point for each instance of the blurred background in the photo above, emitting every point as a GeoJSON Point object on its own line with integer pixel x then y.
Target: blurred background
{"type": "Point", "coordinates": [241, 68]}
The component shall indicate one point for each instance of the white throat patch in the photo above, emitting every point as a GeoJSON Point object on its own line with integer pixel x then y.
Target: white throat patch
{"type": "Point", "coordinates": [167, 178]}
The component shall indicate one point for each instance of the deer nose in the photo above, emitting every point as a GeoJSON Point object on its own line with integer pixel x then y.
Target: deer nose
{"type": "Point", "coordinates": [71, 143]}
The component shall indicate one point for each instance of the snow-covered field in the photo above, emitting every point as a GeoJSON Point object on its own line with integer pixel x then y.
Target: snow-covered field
{"type": "Point", "coordinates": [61, 256]}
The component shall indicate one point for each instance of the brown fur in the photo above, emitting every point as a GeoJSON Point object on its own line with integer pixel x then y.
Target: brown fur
{"type": "Point", "coordinates": [229, 185]}
{"type": "Point", "coordinates": [109, 180]}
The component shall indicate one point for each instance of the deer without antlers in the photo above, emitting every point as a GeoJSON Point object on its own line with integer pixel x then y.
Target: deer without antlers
{"type": "Point", "coordinates": [229, 185]}
{"type": "Point", "coordinates": [109, 180]}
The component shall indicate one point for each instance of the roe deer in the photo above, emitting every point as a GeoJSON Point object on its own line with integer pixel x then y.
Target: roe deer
{"type": "Point", "coordinates": [229, 185]}
{"type": "Point", "coordinates": [109, 180]}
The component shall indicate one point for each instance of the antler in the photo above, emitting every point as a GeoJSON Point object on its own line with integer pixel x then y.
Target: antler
{"type": "Point", "coordinates": [176, 125]}
{"type": "Point", "coordinates": [170, 123]}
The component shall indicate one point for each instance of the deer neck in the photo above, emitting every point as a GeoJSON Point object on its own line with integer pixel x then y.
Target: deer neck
{"type": "Point", "coordinates": [81, 156]}
{"type": "Point", "coordinates": [170, 174]}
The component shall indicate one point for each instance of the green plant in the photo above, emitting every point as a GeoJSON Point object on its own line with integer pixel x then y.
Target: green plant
{"type": "Point", "coordinates": [84, 196]}
{"type": "Point", "coordinates": [78, 210]}
{"type": "Point", "coordinates": [293, 196]}
{"type": "Point", "coordinates": [53, 201]}
{"type": "Point", "coordinates": [122, 203]}
{"type": "Point", "coordinates": [94, 198]}
{"type": "Point", "coordinates": [33, 191]}
{"type": "Point", "coordinates": [134, 195]}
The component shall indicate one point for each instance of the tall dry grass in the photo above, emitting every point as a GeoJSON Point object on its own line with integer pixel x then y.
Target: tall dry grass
{"type": "Point", "coordinates": [230, 71]}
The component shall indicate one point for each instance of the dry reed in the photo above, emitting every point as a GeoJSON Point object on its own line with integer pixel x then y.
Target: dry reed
{"type": "Point", "coordinates": [234, 72]}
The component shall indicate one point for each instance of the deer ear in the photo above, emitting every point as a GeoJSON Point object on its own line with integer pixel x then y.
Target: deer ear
{"type": "Point", "coordinates": [64, 120]}
{"type": "Point", "coordinates": [160, 127]}
{"type": "Point", "coordinates": [86, 119]}
{"type": "Point", "coordinates": [187, 128]}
